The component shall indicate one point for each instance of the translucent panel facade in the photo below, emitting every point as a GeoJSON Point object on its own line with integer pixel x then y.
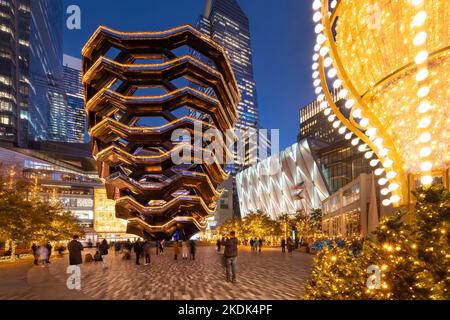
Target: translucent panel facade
{"type": "Point", "coordinates": [285, 183]}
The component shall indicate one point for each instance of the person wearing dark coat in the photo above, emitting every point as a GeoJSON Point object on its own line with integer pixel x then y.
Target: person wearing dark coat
{"type": "Point", "coordinates": [218, 245]}
{"type": "Point", "coordinates": [138, 251]}
{"type": "Point", "coordinates": [103, 249]}
{"type": "Point", "coordinates": [75, 247]}
{"type": "Point", "coordinates": [193, 248]}
{"type": "Point", "coordinates": [34, 249]}
{"type": "Point", "coordinates": [49, 248]}
{"type": "Point", "coordinates": [230, 255]}
{"type": "Point", "coordinates": [146, 250]}
{"type": "Point", "coordinates": [283, 245]}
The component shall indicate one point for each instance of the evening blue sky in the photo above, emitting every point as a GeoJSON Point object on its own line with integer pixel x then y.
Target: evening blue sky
{"type": "Point", "coordinates": [282, 41]}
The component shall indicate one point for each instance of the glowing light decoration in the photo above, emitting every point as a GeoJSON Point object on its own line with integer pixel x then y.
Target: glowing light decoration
{"type": "Point", "coordinates": [395, 74]}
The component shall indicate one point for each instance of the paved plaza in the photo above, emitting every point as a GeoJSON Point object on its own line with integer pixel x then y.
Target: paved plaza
{"type": "Point", "coordinates": [270, 275]}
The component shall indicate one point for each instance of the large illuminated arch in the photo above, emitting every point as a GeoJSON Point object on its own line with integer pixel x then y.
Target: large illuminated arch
{"type": "Point", "coordinates": [391, 60]}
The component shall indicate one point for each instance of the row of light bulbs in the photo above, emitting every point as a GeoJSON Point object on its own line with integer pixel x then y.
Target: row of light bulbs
{"type": "Point", "coordinates": [322, 50]}
{"type": "Point", "coordinates": [421, 60]}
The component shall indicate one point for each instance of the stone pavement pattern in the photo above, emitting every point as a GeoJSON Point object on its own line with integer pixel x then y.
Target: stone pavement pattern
{"type": "Point", "coordinates": [270, 275]}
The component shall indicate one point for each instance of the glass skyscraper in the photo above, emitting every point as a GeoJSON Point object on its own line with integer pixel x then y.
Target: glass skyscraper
{"type": "Point", "coordinates": [15, 17]}
{"type": "Point", "coordinates": [31, 67]}
{"type": "Point", "coordinates": [225, 23]}
{"type": "Point", "coordinates": [46, 73]}
{"type": "Point", "coordinates": [67, 117]}
{"type": "Point", "coordinates": [339, 162]}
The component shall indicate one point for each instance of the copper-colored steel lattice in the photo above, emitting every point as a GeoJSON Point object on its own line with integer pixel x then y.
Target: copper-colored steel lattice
{"type": "Point", "coordinates": [154, 194]}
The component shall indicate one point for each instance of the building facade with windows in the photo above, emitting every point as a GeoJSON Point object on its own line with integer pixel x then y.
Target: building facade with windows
{"type": "Point", "coordinates": [226, 23]}
{"type": "Point", "coordinates": [30, 67]}
{"type": "Point", "coordinates": [67, 174]}
{"type": "Point", "coordinates": [339, 161]}
{"type": "Point", "coordinates": [67, 115]}
{"type": "Point", "coordinates": [354, 211]}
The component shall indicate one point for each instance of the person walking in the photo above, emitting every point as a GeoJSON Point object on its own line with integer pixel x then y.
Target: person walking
{"type": "Point", "coordinates": [255, 245]}
{"type": "Point", "coordinates": [290, 245]}
{"type": "Point", "coordinates": [283, 245]}
{"type": "Point", "coordinates": [49, 248]}
{"type": "Point", "coordinates": [230, 255]}
{"type": "Point", "coordinates": [260, 244]}
{"type": "Point", "coordinates": [252, 242]}
{"type": "Point", "coordinates": [193, 246]}
{"type": "Point", "coordinates": [161, 246]}
{"type": "Point", "coordinates": [147, 251]}
{"type": "Point", "coordinates": [138, 251]}
{"type": "Point", "coordinates": [75, 247]}
{"type": "Point", "coordinates": [176, 249]}
{"type": "Point", "coordinates": [42, 253]}
{"type": "Point", "coordinates": [184, 250]}
{"type": "Point", "coordinates": [34, 248]}
{"type": "Point", "coordinates": [117, 247]}
{"type": "Point", "coordinates": [103, 249]}
{"type": "Point", "coordinates": [218, 245]}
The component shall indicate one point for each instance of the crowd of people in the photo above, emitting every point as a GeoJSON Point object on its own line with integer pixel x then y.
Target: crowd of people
{"type": "Point", "coordinates": [142, 250]}
{"type": "Point", "coordinates": [42, 253]}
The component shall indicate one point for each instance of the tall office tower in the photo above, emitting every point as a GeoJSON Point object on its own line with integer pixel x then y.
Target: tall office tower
{"type": "Point", "coordinates": [338, 160]}
{"type": "Point", "coordinates": [67, 115]}
{"type": "Point", "coordinates": [314, 123]}
{"type": "Point", "coordinates": [45, 71]}
{"type": "Point", "coordinates": [14, 58]}
{"type": "Point", "coordinates": [74, 98]}
{"type": "Point", "coordinates": [30, 64]}
{"type": "Point", "coordinates": [226, 23]}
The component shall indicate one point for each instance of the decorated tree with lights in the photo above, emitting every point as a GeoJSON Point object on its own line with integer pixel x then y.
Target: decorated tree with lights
{"type": "Point", "coordinates": [25, 218]}
{"type": "Point", "coordinates": [412, 258]}
{"type": "Point", "coordinates": [433, 240]}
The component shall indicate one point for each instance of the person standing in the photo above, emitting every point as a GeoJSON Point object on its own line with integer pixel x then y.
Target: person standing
{"type": "Point", "coordinates": [103, 249]}
{"type": "Point", "coordinates": [42, 253]}
{"type": "Point", "coordinates": [290, 245]}
{"type": "Point", "coordinates": [117, 247]}
{"type": "Point", "coordinates": [147, 251]}
{"type": "Point", "coordinates": [255, 245]}
{"type": "Point", "coordinates": [34, 249]}
{"type": "Point", "coordinates": [75, 247]}
{"type": "Point", "coordinates": [161, 246]}
{"type": "Point", "coordinates": [184, 250]}
{"type": "Point", "coordinates": [193, 249]}
{"type": "Point", "coordinates": [260, 243]}
{"type": "Point", "coordinates": [176, 249]}
{"type": "Point", "coordinates": [252, 243]}
{"type": "Point", "coordinates": [218, 245]}
{"type": "Point", "coordinates": [283, 245]}
{"type": "Point", "coordinates": [49, 248]}
{"type": "Point", "coordinates": [230, 254]}
{"type": "Point", "coordinates": [138, 251]}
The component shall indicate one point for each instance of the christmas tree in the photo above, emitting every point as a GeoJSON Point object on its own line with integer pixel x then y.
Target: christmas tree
{"type": "Point", "coordinates": [410, 261]}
